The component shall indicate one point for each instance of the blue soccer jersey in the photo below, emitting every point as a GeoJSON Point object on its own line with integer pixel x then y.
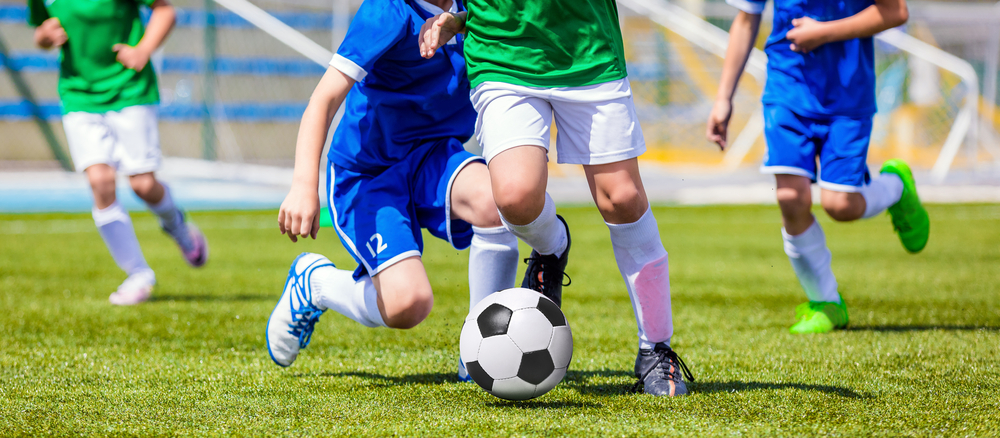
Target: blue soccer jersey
{"type": "Point", "coordinates": [835, 79]}
{"type": "Point", "coordinates": [400, 100]}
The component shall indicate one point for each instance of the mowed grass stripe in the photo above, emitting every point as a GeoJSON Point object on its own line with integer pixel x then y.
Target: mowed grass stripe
{"type": "Point", "coordinates": [920, 357]}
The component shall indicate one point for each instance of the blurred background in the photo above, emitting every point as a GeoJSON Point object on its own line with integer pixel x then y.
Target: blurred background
{"type": "Point", "coordinates": [235, 76]}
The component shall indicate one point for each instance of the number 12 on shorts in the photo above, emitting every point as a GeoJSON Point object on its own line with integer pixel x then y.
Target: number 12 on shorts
{"type": "Point", "coordinates": [379, 246]}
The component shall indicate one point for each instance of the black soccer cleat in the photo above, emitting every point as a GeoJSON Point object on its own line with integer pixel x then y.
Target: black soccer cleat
{"type": "Point", "coordinates": [659, 372]}
{"type": "Point", "coordinates": [545, 272]}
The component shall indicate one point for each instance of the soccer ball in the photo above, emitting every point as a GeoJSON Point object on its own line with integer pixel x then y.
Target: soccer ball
{"type": "Point", "coordinates": [516, 344]}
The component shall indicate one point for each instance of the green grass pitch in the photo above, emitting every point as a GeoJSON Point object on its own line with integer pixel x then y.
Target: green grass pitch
{"type": "Point", "coordinates": [921, 357]}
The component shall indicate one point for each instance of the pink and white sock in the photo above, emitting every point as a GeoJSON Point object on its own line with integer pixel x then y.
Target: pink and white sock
{"type": "Point", "coordinates": [642, 261]}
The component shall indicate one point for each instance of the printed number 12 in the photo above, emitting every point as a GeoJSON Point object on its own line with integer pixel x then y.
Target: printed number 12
{"type": "Point", "coordinates": [381, 246]}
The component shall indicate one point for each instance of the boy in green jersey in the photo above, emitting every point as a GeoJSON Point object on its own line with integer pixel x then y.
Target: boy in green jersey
{"type": "Point", "coordinates": [534, 61]}
{"type": "Point", "coordinates": [109, 96]}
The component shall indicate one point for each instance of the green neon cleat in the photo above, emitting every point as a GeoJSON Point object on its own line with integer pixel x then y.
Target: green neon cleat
{"type": "Point", "coordinates": [819, 317]}
{"type": "Point", "coordinates": [909, 218]}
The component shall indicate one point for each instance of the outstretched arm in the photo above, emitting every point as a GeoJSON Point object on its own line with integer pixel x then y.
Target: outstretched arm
{"type": "Point", "coordinates": [809, 34]}
{"type": "Point", "coordinates": [438, 30]}
{"type": "Point", "coordinates": [299, 213]}
{"type": "Point", "coordinates": [742, 35]}
{"type": "Point", "coordinates": [161, 21]}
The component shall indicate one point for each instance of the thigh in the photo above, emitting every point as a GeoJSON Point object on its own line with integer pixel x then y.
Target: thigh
{"type": "Point", "coordinates": [374, 216]}
{"type": "Point", "coordinates": [791, 147]}
{"type": "Point", "coordinates": [510, 116]}
{"type": "Point", "coordinates": [138, 138]}
{"type": "Point", "coordinates": [90, 140]}
{"type": "Point", "coordinates": [843, 158]}
{"type": "Point", "coordinates": [597, 124]}
{"type": "Point", "coordinates": [434, 181]}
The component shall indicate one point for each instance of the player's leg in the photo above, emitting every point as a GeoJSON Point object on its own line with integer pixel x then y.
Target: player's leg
{"type": "Point", "coordinates": [389, 288]}
{"type": "Point", "coordinates": [791, 157]}
{"type": "Point", "coordinates": [598, 128]}
{"type": "Point", "coordinates": [513, 128]}
{"type": "Point", "coordinates": [138, 137]}
{"type": "Point", "coordinates": [92, 145]}
{"type": "Point", "coordinates": [850, 194]}
{"type": "Point", "coordinates": [493, 248]}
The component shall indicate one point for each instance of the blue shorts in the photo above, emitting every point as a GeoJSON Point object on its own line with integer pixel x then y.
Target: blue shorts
{"type": "Point", "coordinates": [378, 214]}
{"type": "Point", "coordinates": [841, 143]}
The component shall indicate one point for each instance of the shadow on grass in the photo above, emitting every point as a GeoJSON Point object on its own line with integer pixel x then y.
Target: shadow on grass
{"type": "Point", "coordinates": [599, 382]}
{"type": "Point", "coordinates": [737, 385]}
{"type": "Point", "coordinates": [919, 328]}
{"type": "Point", "coordinates": [541, 404]}
{"type": "Point", "coordinates": [386, 381]}
{"type": "Point", "coordinates": [211, 298]}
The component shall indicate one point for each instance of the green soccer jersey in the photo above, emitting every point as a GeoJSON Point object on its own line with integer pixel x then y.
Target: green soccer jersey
{"type": "Point", "coordinates": [90, 77]}
{"type": "Point", "coordinates": [544, 43]}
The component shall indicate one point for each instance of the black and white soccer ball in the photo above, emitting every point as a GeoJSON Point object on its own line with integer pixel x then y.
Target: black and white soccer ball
{"type": "Point", "coordinates": [516, 344]}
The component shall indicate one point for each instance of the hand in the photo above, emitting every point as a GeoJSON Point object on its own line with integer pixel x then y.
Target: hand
{"type": "Point", "coordinates": [437, 31]}
{"type": "Point", "coordinates": [718, 122]}
{"type": "Point", "coordinates": [131, 57]}
{"type": "Point", "coordinates": [807, 35]}
{"type": "Point", "coordinates": [299, 214]}
{"type": "Point", "coordinates": [50, 34]}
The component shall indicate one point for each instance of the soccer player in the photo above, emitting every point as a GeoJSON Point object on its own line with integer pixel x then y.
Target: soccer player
{"type": "Point", "coordinates": [396, 165]}
{"type": "Point", "coordinates": [537, 60]}
{"type": "Point", "coordinates": [818, 104]}
{"type": "Point", "coordinates": [109, 98]}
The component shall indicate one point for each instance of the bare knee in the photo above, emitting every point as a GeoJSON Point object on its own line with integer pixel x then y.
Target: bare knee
{"type": "Point", "coordinates": [408, 307]}
{"type": "Point", "coordinates": [521, 203]}
{"type": "Point", "coordinates": [843, 207]}
{"type": "Point", "coordinates": [622, 203]}
{"type": "Point", "coordinates": [143, 184]}
{"type": "Point", "coordinates": [102, 183]}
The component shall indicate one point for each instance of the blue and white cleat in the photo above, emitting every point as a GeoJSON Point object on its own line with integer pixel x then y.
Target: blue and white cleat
{"type": "Point", "coordinates": [463, 374]}
{"type": "Point", "coordinates": [290, 326]}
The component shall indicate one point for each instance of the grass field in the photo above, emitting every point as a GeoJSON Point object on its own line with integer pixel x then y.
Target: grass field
{"type": "Point", "coordinates": [922, 355]}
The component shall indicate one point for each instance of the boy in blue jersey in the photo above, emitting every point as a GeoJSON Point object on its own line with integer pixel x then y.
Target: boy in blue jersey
{"type": "Point", "coordinates": [818, 104]}
{"type": "Point", "coordinates": [396, 165]}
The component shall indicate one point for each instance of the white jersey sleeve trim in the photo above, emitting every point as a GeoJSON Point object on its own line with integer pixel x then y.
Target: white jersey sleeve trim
{"type": "Point", "coordinates": [750, 7]}
{"type": "Point", "coordinates": [348, 67]}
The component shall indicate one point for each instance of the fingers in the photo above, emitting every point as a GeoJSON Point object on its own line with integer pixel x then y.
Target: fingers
{"type": "Point", "coordinates": [117, 47]}
{"type": "Point", "coordinates": [315, 227]}
{"type": "Point", "coordinates": [281, 221]}
{"type": "Point", "coordinates": [796, 21]}
{"type": "Point", "coordinates": [795, 48]}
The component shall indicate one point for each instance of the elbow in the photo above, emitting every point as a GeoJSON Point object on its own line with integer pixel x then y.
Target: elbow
{"type": "Point", "coordinates": [902, 15]}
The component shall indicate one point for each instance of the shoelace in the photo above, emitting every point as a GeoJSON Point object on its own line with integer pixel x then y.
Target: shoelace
{"type": "Point", "coordinates": [668, 354]}
{"type": "Point", "coordinates": [544, 280]}
{"type": "Point", "coordinates": [304, 318]}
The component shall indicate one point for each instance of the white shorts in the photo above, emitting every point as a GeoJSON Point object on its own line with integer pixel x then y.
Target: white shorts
{"type": "Point", "coordinates": [127, 140]}
{"type": "Point", "coordinates": [596, 124]}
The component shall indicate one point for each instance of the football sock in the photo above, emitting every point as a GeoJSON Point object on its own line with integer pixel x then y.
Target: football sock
{"type": "Point", "coordinates": [881, 193]}
{"type": "Point", "coordinates": [116, 229]}
{"type": "Point", "coordinates": [546, 234]}
{"type": "Point", "coordinates": [172, 220]}
{"type": "Point", "coordinates": [642, 261]}
{"type": "Point", "coordinates": [492, 262]}
{"type": "Point", "coordinates": [811, 261]}
{"type": "Point", "coordinates": [337, 290]}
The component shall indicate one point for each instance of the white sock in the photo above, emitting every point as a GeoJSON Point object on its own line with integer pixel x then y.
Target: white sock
{"type": "Point", "coordinates": [642, 261]}
{"type": "Point", "coordinates": [811, 261]}
{"type": "Point", "coordinates": [881, 193]}
{"type": "Point", "coordinates": [116, 229]}
{"type": "Point", "coordinates": [492, 262]}
{"type": "Point", "coordinates": [337, 290]}
{"type": "Point", "coordinates": [546, 234]}
{"type": "Point", "coordinates": [172, 220]}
